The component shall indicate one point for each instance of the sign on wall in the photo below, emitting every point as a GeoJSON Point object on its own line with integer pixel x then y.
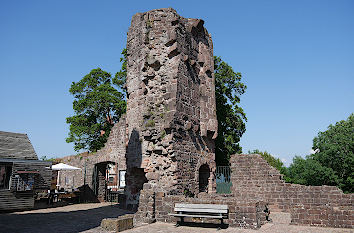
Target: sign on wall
{"type": "Point", "coordinates": [122, 179]}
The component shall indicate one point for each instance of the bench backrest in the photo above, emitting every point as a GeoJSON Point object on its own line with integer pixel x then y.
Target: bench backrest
{"type": "Point", "coordinates": [201, 208]}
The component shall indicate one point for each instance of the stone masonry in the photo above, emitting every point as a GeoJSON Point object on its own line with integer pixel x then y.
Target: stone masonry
{"type": "Point", "coordinates": [171, 115]}
{"type": "Point", "coordinates": [256, 187]}
{"type": "Point", "coordinates": [254, 179]}
{"type": "Point", "coordinates": [155, 206]}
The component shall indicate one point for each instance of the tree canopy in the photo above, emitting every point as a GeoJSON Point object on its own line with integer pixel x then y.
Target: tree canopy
{"type": "Point", "coordinates": [309, 171]}
{"type": "Point", "coordinates": [97, 106]}
{"type": "Point", "coordinates": [336, 151]}
{"type": "Point", "coordinates": [333, 162]}
{"type": "Point", "coordinates": [121, 76]}
{"type": "Point", "coordinates": [231, 117]}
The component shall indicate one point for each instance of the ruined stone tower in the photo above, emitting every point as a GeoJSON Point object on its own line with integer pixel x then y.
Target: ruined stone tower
{"type": "Point", "coordinates": [171, 116]}
{"type": "Point", "coordinates": [165, 143]}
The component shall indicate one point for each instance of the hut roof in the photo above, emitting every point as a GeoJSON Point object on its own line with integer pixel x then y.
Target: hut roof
{"type": "Point", "coordinates": [16, 146]}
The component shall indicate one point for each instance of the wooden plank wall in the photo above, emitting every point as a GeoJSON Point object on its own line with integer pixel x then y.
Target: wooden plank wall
{"type": "Point", "coordinates": [15, 201]}
{"type": "Point", "coordinates": [42, 180]}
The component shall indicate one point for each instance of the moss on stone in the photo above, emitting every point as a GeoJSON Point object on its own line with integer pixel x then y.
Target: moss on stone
{"type": "Point", "coordinates": [150, 123]}
{"type": "Point", "coordinates": [163, 134]}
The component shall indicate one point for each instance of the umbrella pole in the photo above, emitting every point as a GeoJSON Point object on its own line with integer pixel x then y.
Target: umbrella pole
{"type": "Point", "coordinates": [58, 180]}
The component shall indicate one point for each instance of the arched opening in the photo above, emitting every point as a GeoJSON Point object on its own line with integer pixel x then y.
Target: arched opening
{"type": "Point", "coordinates": [104, 179]}
{"type": "Point", "coordinates": [204, 174]}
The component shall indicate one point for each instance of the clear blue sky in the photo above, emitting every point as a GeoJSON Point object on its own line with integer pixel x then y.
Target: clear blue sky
{"type": "Point", "coordinates": [296, 57]}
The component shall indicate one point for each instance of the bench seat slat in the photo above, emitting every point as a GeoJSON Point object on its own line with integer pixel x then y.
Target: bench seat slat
{"type": "Point", "coordinates": [197, 216]}
{"type": "Point", "coordinates": [199, 210]}
{"type": "Point", "coordinates": [201, 206]}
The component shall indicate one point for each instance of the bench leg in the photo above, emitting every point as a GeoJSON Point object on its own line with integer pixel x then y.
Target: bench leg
{"type": "Point", "coordinates": [221, 224]}
{"type": "Point", "coordinates": [182, 221]}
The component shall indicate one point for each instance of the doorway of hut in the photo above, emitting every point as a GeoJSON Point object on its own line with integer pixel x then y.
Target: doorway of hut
{"type": "Point", "coordinates": [104, 180]}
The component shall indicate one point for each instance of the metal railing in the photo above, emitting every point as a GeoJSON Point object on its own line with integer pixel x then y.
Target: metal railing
{"type": "Point", "coordinates": [223, 179]}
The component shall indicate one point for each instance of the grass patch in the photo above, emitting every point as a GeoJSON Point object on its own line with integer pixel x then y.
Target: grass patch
{"type": "Point", "coordinates": [163, 134]}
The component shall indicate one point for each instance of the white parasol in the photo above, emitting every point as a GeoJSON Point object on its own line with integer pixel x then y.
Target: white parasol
{"type": "Point", "coordinates": [63, 167]}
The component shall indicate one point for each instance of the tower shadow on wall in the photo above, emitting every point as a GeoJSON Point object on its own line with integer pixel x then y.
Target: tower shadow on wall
{"type": "Point", "coordinates": [135, 176]}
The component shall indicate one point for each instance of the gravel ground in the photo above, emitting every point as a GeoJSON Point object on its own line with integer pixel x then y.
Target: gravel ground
{"type": "Point", "coordinates": [169, 228]}
{"type": "Point", "coordinates": [87, 218]}
{"type": "Point", "coordinates": [280, 224]}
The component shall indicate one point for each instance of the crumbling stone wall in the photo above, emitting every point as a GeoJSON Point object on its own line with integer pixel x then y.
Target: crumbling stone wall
{"type": "Point", "coordinates": [254, 179]}
{"type": "Point", "coordinates": [171, 116]}
{"type": "Point", "coordinates": [114, 151]}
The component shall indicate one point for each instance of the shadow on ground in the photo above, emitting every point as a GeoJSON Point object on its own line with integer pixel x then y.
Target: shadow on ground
{"type": "Point", "coordinates": [44, 205]}
{"type": "Point", "coordinates": [73, 221]}
{"type": "Point", "coordinates": [203, 225]}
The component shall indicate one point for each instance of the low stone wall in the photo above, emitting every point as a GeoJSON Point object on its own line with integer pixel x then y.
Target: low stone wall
{"type": "Point", "coordinates": [156, 207]}
{"type": "Point", "coordinates": [254, 179]}
{"type": "Point", "coordinates": [322, 215]}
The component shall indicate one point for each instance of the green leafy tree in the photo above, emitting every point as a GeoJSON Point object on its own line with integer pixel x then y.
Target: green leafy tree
{"type": "Point", "coordinates": [231, 117]}
{"type": "Point", "coordinates": [121, 76]}
{"type": "Point", "coordinates": [336, 151]}
{"type": "Point", "coordinates": [310, 172]}
{"type": "Point", "coordinates": [333, 162]}
{"type": "Point", "coordinates": [97, 106]}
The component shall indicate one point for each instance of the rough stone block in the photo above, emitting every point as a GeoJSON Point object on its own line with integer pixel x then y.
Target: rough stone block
{"type": "Point", "coordinates": [109, 224]}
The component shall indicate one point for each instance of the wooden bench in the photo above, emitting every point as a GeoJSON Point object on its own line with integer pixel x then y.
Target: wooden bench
{"type": "Point", "coordinates": [200, 211]}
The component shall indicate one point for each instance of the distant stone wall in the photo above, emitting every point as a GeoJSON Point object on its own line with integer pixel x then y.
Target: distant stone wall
{"type": "Point", "coordinates": [114, 151]}
{"type": "Point", "coordinates": [254, 179]}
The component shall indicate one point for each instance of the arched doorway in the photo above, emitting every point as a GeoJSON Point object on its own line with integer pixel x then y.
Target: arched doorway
{"type": "Point", "coordinates": [104, 179]}
{"type": "Point", "coordinates": [204, 174]}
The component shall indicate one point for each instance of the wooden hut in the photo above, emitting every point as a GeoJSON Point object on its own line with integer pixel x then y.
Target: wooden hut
{"type": "Point", "coordinates": [22, 175]}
